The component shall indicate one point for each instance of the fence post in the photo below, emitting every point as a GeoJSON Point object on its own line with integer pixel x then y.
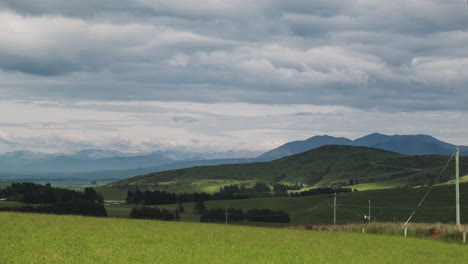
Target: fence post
{"type": "Point", "coordinates": [363, 230]}
{"type": "Point", "coordinates": [464, 237]}
{"type": "Point", "coordinates": [406, 231]}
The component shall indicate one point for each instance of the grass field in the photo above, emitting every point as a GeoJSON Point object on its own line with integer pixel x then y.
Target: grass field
{"type": "Point", "coordinates": [391, 184]}
{"type": "Point", "coordinates": [4, 184]}
{"type": "Point", "coordinates": [463, 179]}
{"type": "Point", "coordinates": [387, 206]}
{"type": "Point", "coordinates": [34, 238]}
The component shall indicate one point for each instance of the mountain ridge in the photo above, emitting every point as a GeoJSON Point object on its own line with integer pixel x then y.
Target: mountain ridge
{"type": "Point", "coordinates": [405, 144]}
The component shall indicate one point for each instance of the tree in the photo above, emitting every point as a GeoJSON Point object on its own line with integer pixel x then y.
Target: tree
{"type": "Point", "coordinates": [91, 194]}
{"type": "Point", "coordinates": [177, 214]}
{"type": "Point", "coordinates": [261, 187]}
{"type": "Point", "coordinates": [199, 207]}
{"type": "Point", "coordinates": [181, 208]}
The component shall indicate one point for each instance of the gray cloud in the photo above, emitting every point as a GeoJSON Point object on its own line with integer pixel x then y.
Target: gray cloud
{"type": "Point", "coordinates": [114, 58]}
{"type": "Point", "coordinates": [361, 54]}
{"type": "Point", "coordinates": [185, 119]}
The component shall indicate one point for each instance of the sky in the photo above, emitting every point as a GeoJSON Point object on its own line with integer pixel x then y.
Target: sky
{"type": "Point", "coordinates": [214, 75]}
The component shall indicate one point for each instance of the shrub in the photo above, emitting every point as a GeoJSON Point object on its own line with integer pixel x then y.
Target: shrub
{"type": "Point", "coordinates": [152, 213]}
{"type": "Point", "coordinates": [219, 215]}
{"type": "Point", "coordinates": [267, 215]}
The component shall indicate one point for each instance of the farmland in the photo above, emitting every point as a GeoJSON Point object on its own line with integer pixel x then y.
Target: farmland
{"type": "Point", "coordinates": [387, 206]}
{"type": "Point", "coordinates": [75, 239]}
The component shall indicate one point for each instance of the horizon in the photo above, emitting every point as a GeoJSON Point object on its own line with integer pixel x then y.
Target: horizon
{"type": "Point", "coordinates": [247, 152]}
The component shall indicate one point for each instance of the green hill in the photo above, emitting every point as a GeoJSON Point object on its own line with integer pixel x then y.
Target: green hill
{"type": "Point", "coordinates": [34, 238]}
{"type": "Point", "coordinates": [331, 165]}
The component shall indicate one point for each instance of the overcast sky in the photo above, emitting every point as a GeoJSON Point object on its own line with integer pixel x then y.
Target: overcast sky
{"type": "Point", "coordinates": [235, 74]}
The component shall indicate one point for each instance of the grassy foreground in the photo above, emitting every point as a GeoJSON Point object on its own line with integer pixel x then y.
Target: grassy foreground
{"type": "Point", "coordinates": [34, 238]}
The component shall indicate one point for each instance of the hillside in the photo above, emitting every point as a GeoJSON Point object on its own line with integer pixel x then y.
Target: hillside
{"type": "Point", "coordinates": [325, 166]}
{"type": "Point", "coordinates": [38, 238]}
{"type": "Point", "coordinates": [404, 144]}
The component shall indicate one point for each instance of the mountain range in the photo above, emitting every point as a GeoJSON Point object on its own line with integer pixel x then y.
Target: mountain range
{"type": "Point", "coordinates": [404, 144]}
{"type": "Point", "coordinates": [91, 160]}
{"type": "Point", "coordinates": [110, 164]}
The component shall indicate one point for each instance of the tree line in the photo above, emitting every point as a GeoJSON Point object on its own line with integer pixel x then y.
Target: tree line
{"type": "Point", "coordinates": [154, 214]}
{"type": "Point", "coordinates": [318, 191]}
{"type": "Point", "coordinates": [53, 200]}
{"type": "Point", "coordinates": [254, 215]}
{"type": "Point", "coordinates": [27, 192]}
{"type": "Point", "coordinates": [230, 192]}
{"type": "Point", "coordinates": [72, 207]}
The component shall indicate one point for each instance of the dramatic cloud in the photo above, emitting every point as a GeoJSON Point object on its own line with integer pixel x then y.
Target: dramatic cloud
{"type": "Point", "coordinates": [132, 68]}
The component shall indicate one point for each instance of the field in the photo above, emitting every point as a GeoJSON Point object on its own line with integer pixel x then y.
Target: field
{"type": "Point", "coordinates": [387, 206]}
{"type": "Point", "coordinates": [391, 184]}
{"type": "Point", "coordinates": [5, 183]}
{"type": "Point", "coordinates": [34, 238]}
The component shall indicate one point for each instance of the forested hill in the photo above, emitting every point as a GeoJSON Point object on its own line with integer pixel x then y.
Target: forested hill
{"type": "Point", "coordinates": [332, 165]}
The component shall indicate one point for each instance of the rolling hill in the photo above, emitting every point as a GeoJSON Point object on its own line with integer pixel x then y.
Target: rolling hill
{"type": "Point", "coordinates": [331, 165]}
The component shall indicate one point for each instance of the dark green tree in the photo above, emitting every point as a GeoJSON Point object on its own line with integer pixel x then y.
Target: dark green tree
{"type": "Point", "coordinates": [199, 207]}
{"type": "Point", "coordinates": [91, 194]}
{"type": "Point", "coordinates": [181, 208]}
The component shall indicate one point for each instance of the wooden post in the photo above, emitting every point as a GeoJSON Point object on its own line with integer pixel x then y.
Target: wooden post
{"type": "Point", "coordinates": [457, 187]}
{"type": "Point", "coordinates": [406, 231]}
{"type": "Point", "coordinates": [334, 209]}
{"type": "Point", "coordinates": [363, 230]}
{"type": "Point", "coordinates": [226, 214]}
{"type": "Point", "coordinates": [369, 211]}
{"type": "Point", "coordinates": [464, 237]}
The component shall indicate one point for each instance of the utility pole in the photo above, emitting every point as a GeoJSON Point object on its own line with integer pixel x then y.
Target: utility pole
{"type": "Point", "coordinates": [334, 209]}
{"type": "Point", "coordinates": [457, 186]}
{"type": "Point", "coordinates": [226, 214]}
{"type": "Point", "coordinates": [369, 212]}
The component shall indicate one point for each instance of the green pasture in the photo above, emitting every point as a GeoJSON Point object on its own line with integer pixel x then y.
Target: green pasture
{"type": "Point", "coordinates": [4, 184]}
{"type": "Point", "coordinates": [35, 238]}
{"type": "Point", "coordinates": [386, 206]}
{"type": "Point", "coordinates": [391, 184]}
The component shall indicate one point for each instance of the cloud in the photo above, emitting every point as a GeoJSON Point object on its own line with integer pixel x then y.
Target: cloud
{"type": "Point", "coordinates": [164, 65]}
{"type": "Point", "coordinates": [185, 119]}
{"type": "Point", "coordinates": [114, 50]}
{"type": "Point", "coordinates": [218, 127]}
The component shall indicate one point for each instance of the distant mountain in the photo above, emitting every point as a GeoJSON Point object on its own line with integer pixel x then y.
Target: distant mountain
{"type": "Point", "coordinates": [100, 161]}
{"type": "Point", "coordinates": [416, 145]}
{"type": "Point", "coordinates": [404, 144]}
{"type": "Point", "coordinates": [63, 163]}
{"type": "Point", "coordinates": [97, 154]}
{"type": "Point", "coordinates": [296, 147]}
{"type": "Point", "coordinates": [371, 140]}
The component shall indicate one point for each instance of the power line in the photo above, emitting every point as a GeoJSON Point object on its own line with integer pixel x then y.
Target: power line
{"type": "Point", "coordinates": [430, 188]}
